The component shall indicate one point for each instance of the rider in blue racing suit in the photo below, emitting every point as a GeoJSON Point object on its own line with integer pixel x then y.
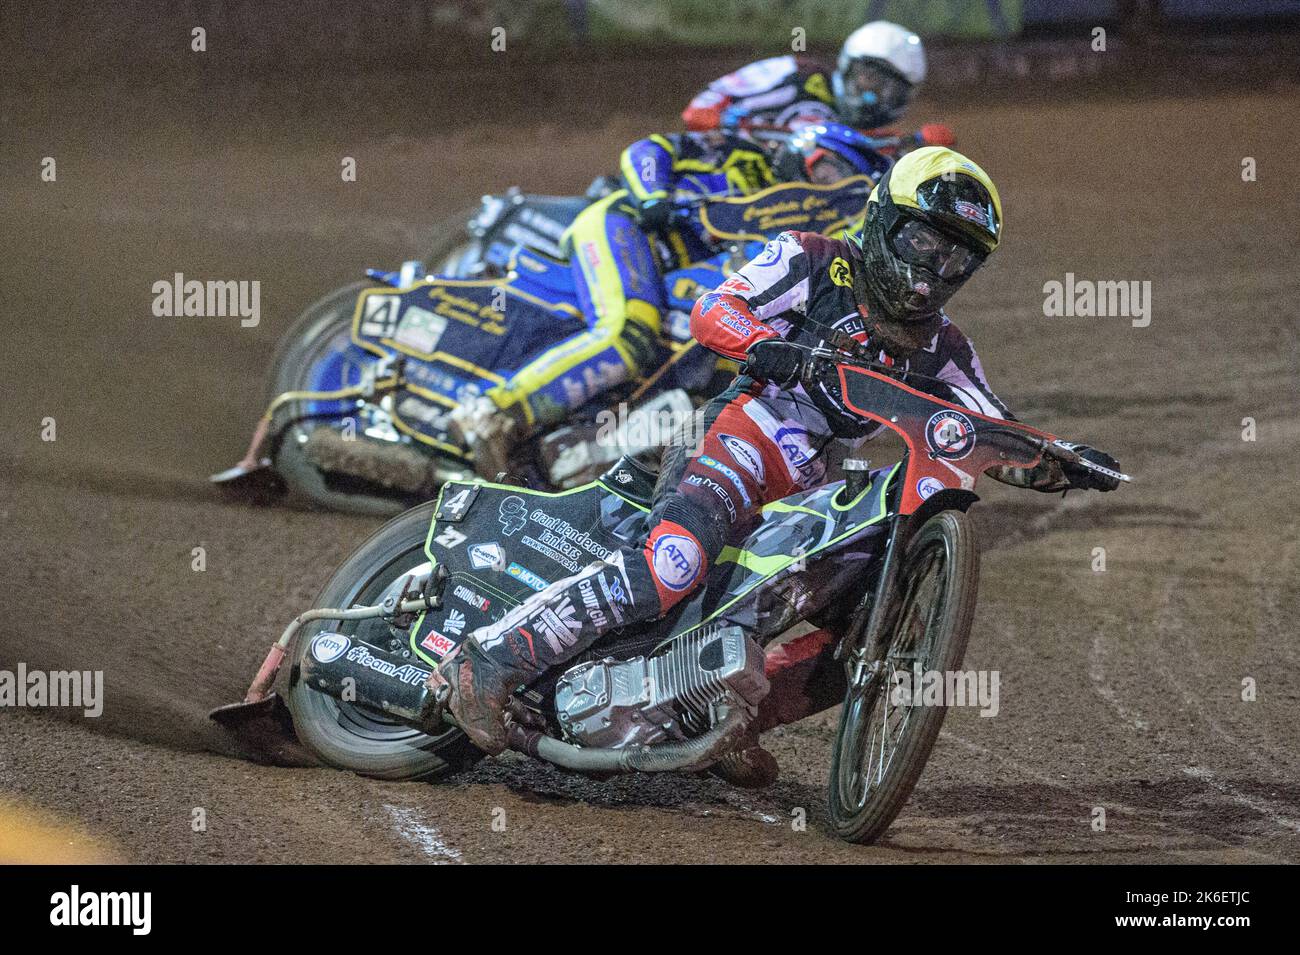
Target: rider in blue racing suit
{"type": "Point", "coordinates": [616, 269]}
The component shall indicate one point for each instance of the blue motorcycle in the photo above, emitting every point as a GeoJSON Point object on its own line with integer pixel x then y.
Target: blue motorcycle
{"type": "Point", "coordinates": [363, 385]}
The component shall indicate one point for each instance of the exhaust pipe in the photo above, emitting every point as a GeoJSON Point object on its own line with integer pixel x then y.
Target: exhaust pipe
{"type": "Point", "coordinates": [684, 756]}
{"type": "Point", "coordinates": [356, 672]}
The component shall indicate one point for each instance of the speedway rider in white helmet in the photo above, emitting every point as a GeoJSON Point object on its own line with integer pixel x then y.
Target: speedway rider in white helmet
{"type": "Point", "coordinates": [879, 69]}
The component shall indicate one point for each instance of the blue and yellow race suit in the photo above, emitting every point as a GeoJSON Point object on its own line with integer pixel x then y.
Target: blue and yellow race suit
{"type": "Point", "coordinates": [616, 270]}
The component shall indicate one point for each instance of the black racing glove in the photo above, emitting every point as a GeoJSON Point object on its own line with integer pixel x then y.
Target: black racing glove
{"type": "Point", "coordinates": [1084, 479]}
{"type": "Point", "coordinates": [774, 360]}
{"type": "Point", "coordinates": [655, 215]}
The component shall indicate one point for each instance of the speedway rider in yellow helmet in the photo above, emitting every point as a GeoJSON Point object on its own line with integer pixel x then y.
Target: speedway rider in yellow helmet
{"type": "Point", "coordinates": [931, 222]}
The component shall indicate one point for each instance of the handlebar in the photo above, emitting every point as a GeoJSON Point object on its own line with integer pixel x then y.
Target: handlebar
{"type": "Point", "coordinates": [779, 134]}
{"type": "Point", "coordinates": [845, 349]}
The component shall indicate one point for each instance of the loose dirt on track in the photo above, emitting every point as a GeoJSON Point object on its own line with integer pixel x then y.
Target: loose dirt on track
{"type": "Point", "coordinates": [1120, 690]}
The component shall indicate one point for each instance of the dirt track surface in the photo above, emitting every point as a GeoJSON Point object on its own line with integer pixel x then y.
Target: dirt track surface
{"type": "Point", "coordinates": [1119, 690]}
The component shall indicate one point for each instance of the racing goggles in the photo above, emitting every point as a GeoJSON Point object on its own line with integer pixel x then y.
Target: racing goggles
{"type": "Point", "coordinates": [872, 86]}
{"type": "Point", "coordinates": [823, 167]}
{"type": "Point", "coordinates": [925, 247]}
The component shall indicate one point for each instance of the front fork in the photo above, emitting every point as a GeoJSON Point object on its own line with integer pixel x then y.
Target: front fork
{"type": "Point", "coordinates": [862, 658]}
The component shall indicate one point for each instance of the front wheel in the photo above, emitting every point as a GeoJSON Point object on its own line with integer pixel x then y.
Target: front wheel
{"type": "Point", "coordinates": [354, 737]}
{"type": "Point", "coordinates": [883, 742]}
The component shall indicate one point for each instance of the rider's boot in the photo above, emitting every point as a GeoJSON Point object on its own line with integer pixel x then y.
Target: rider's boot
{"type": "Point", "coordinates": [748, 766]}
{"type": "Point", "coordinates": [492, 432]}
{"type": "Point", "coordinates": [805, 679]}
{"type": "Point", "coordinates": [476, 681]}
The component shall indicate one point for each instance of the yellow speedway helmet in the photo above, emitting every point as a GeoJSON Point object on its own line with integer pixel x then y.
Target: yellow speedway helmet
{"type": "Point", "coordinates": [931, 221]}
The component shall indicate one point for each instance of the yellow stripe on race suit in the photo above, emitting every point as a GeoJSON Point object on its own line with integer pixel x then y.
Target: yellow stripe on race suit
{"type": "Point", "coordinates": [663, 141]}
{"type": "Point", "coordinates": [633, 178]}
{"type": "Point", "coordinates": [563, 358]}
{"type": "Point", "coordinates": [591, 249]}
{"type": "Point", "coordinates": [745, 170]}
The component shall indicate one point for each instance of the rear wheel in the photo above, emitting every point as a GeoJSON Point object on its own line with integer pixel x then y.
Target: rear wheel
{"type": "Point", "coordinates": [318, 354]}
{"type": "Point", "coordinates": [883, 744]}
{"type": "Point", "coordinates": [353, 737]}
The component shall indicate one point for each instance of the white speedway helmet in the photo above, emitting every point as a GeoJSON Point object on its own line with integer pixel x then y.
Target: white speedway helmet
{"type": "Point", "coordinates": [879, 68]}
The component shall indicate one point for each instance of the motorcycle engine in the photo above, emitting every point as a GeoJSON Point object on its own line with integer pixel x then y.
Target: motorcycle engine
{"type": "Point", "coordinates": [612, 704]}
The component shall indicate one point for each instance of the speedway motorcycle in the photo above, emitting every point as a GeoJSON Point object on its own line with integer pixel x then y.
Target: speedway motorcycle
{"type": "Point", "coordinates": [885, 560]}
{"type": "Point", "coordinates": [364, 384]}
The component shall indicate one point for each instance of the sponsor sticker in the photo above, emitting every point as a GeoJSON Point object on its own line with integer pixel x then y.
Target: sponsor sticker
{"type": "Point", "coordinates": [950, 434]}
{"type": "Point", "coordinates": [677, 561]}
{"type": "Point", "coordinates": [406, 673]}
{"type": "Point", "coordinates": [455, 622]}
{"type": "Point", "coordinates": [438, 644]}
{"type": "Point", "coordinates": [968, 210]}
{"type": "Point", "coordinates": [746, 455]}
{"type": "Point", "coordinates": [483, 556]}
{"type": "Point", "coordinates": [698, 480]}
{"type": "Point", "coordinates": [928, 486]}
{"type": "Point", "coordinates": [840, 272]}
{"type": "Point", "coordinates": [771, 252]}
{"type": "Point", "coordinates": [736, 327]}
{"type": "Point", "coordinates": [559, 625]}
{"type": "Point", "coordinates": [731, 475]}
{"type": "Point", "coordinates": [328, 647]}
{"type": "Point", "coordinates": [726, 306]}
{"type": "Point", "coordinates": [513, 515]}
{"type": "Point", "coordinates": [793, 443]}
{"type": "Point", "coordinates": [420, 329]}
{"type": "Point", "coordinates": [520, 572]}
{"type": "Point", "coordinates": [449, 538]}
{"type": "Point", "coordinates": [471, 597]}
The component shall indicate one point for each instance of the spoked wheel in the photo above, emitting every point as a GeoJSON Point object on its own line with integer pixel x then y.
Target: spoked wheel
{"type": "Point", "coordinates": [354, 737]}
{"type": "Point", "coordinates": [884, 739]}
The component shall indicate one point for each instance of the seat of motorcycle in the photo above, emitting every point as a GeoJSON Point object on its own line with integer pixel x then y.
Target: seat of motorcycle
{"type": "Point", "coordinates": [553, 274]}
{"type": "Point", "coordinates": [631, 479]}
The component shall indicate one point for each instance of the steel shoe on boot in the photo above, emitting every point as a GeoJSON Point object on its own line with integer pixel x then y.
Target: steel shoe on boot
{"type": "Point", "coordinates": [489, 431]}
{"type": "Point", "coordinates": [475, 689]}
{"type": "Point", "coordinates": [748, 766]}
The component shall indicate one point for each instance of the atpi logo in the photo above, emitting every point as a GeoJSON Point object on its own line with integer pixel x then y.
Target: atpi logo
{"type": "Point", "coordinates": [677, 561]}
{"type": "Point", "coordinates": [927, 487]}
{"type": "Point", "coordinates": [328, 647]}
{"type": "Point", "coordinates": [950, 435]}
